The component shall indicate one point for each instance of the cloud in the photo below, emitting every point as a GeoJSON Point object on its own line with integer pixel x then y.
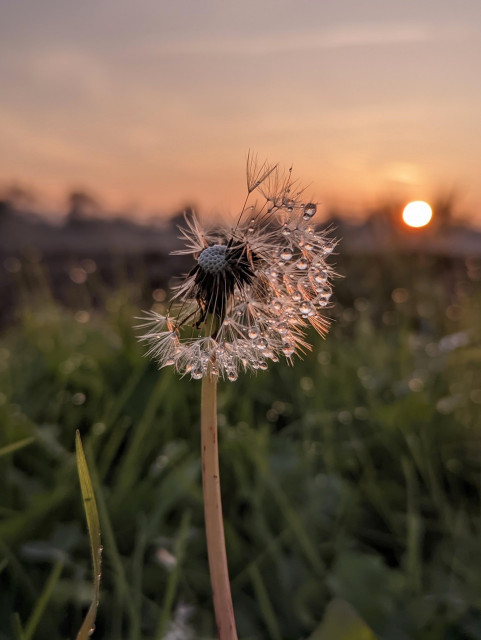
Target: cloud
{"type": "Point", "coordinates": [333, 38]}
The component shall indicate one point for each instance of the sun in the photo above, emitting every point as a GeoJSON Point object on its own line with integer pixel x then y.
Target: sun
{"type": "Point", "coordinates": [417, 214]}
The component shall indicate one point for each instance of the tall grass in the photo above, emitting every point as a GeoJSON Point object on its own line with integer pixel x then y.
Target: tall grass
{"type": "Point", "coordinates": [350, 483]}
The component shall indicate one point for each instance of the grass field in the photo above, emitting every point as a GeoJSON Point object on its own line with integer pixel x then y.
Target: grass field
{"type": "Point", "coordinates": [351, 482]}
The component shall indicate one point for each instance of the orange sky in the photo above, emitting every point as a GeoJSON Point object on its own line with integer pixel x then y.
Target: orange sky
{"type": "Point", "coordinates": [154, 104]}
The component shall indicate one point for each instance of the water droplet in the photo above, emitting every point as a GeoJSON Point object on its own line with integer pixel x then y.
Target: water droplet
{"type": "Point", "coordinates": [169, 362]}
{"type": "Point", "coordinates": [306, 308]}
{"type": "Point", "coordinates": [91, 630]}
{"type": "Point", "coordinates": [326, 291]}
{"type": "Point", "coordinates": [302, 264]}
{"type": "Point", "coordinates": [253, 333]}
{"type": "Point", "coordinates": [285, 230]}
{"type": "Point", "coordinates": [261, 343]}
{"type": "Point", "coordinates": [263, 365]}
{"type": "Point", "coordinates": [309, 210]}
{"type": "Point", "coordinates": [296, 296]}
{"type": "Point", "coordinates": [288, 349]}
{"type": "Point", "coordinates": [197, 373]}
{"type": "Point", "coordinates": [321, 276]}
{"type": "Point", "coordinates": [286, 254]}
{"type": "Point", "coordinates": [328, 248]}
{"type": "Point", "coordinates": [276, 306]}
{"type": "Point", "coordinates": [232, 375]}
{"type": "Point", "coordinates": [282, 328]}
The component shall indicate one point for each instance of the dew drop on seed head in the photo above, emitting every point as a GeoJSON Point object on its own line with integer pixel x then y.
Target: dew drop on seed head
{"type": "Point", "coordinates": [321, 276]}
{"type": "Point", "coordinates": [302, 264]}
{"type": "Point", "coordinates": [286, 254]}
{"type": "Point", "coordinates": [263, 365]}
{"type": "Point", "coordinates": [197, 373]}
{"type": "Point", "coordinates": [253, 333]}
{"type": "Point", "coordinates": [326, 291]}
{"type": "Point", "coordinates": [285, 230]}
{"type": "Point", "coordinates": [296, 296]}
{"type": "Point", "coordinates": [309, 210]}
{"type": "Point", "coordinates": [282, 328]}
{"type": "Point", "coordinates": [231, 375]}
{"type": "Point", "coordinates": [261, 343]}
{"type": "Point", "coordinates": [328, 248]}
{"type": "Point", "coordinates": [305, 308]}
{"type": "Point", "coordinates": [169, 362]}
{"type": "Point", "coordinates": [287, 349]}
{"type": "Point", "coordinates": [276, 306]}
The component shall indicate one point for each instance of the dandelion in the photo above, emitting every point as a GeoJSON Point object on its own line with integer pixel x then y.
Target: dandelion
{"type": "Point", "coordinates": [252, 294]}
{"type": "Point", "coordinates": [255, 287]}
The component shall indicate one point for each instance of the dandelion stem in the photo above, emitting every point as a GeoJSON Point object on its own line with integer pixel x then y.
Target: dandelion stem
{"type": "Point", "coordinates": [214, 526]}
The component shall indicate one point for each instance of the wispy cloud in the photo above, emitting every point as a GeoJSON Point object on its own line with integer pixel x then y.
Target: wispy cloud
{"type": "Point", "coordinates": [332, 38]}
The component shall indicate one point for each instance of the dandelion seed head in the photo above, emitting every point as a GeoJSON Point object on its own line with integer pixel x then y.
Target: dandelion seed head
{"type": "Point", "coordinates": [213, 259]}
{"type": "Point", "coordinates": [254, 289]}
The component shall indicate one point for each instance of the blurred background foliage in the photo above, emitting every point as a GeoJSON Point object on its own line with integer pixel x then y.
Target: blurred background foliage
{"type": "Point", "coordinates": [350, 481]}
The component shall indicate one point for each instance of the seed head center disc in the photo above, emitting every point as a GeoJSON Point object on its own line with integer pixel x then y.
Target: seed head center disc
{"type": "Point", "coordinates": [213, 259]}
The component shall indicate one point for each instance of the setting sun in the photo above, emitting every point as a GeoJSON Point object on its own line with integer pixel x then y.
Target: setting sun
{"type": "Point", "coordinates": [417, 213]}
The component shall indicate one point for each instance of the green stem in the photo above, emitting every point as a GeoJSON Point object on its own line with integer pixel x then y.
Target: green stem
{"type": "Point", "coordinates": [214, 525]}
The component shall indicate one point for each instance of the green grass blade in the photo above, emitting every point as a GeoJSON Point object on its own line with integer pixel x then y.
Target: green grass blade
{"type": "Point", "coordinates": [17, 627]}
{"type": "Point", "coordinates": [342, 622]}
{"type": "Point", "coordinates": [123, 583]}
{"type": "Point", "coordinates": [265, 605]}
{"type": "Point", "coordinates": [42, 602]}
{"type": "Point", "coordinates": [93, 525]}
{"type": "Point", "coordinates": [15, 446]}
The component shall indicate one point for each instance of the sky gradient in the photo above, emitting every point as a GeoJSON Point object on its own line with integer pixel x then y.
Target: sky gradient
{"type": "Point", "coordinates": [152, 105]}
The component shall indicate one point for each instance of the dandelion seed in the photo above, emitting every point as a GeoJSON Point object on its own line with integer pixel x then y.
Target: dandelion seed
{"type": "Point", "coordinates": [254, 288]}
